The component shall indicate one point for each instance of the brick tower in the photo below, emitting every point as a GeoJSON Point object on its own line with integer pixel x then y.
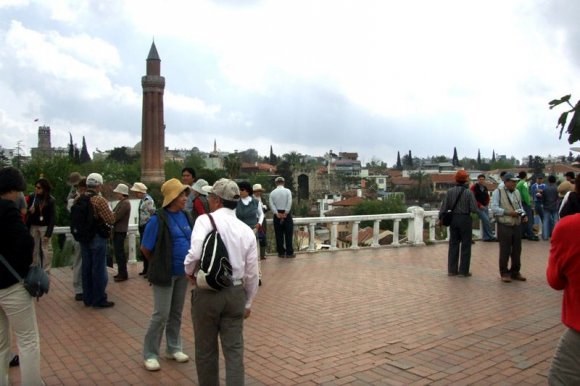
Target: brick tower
{"type": "Point", "coordinates": [153, 124]}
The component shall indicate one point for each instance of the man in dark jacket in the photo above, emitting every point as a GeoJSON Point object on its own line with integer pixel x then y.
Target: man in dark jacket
{"type": "Point", "coordinates": [481, 195]}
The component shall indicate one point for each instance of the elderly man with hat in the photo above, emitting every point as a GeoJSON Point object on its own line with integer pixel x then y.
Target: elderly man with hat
{"type": "Point", "coordinates": [461, 203]}
{"type": "Point", "coordinates": [221, 313]}
{"type": "Point", "coordinates": [122, 212]}
{"type": "Point", "coordinates": [165, 244]}
{"type": "Point", "coordinates": [508, 208]}
{"type": "Point", "coordinates": [94, 252]}
{"type": "Point", "coordinates": [198, 196]}
{"type": "Point", "coordinates": [281, 203]}
{"type": "Point", "coordinates": [146, 210]}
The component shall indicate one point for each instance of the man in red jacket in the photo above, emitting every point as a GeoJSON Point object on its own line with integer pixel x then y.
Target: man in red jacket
{"type": "Point", "coordinates": [563, 273]}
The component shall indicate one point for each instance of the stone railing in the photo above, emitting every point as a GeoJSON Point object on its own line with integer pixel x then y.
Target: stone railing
{"type": "Point", "coordinates": [416, 217]}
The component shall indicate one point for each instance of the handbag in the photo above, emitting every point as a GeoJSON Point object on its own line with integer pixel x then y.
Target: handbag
{"type": "Point", "coordinates": [36, 282]}
{"type": "Point", "coordinates": [447, 217]}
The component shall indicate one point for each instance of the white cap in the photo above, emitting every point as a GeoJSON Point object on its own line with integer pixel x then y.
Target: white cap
{"type": "Point", "coordinates": [94, 179]}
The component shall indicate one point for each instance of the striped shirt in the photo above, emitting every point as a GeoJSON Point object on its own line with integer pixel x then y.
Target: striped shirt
{"type": "Point", "coordinates": [465, 205]}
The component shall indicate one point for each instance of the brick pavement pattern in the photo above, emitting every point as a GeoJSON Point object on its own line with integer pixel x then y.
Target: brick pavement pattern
{"type": "Point", "coordinates": [388, 316]}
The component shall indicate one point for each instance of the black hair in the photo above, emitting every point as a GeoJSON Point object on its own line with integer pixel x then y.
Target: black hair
{"type": "Point", "coordinates": [552, 179]}
{"type": "Point", "coordinates": [229, 203]}
{"type": "Point", "coordinates": [245, 185]}
{"type": "Point", "coordinates": [503, 173]}
{"type": "Point", "coordinates": [189, 170]}
{"type": "Point", "coordinates": [481, 175]}
{"type": "Point", "coordinates": [569, 174]}
{"type": "Point", "coordinates": [45, 185]}
{"type": "Point", "coordinates": [522, 175]}
{"type": "Point", "coordinates": [11, 179]}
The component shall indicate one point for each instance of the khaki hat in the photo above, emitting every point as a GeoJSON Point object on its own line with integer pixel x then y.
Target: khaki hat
{"type": "Point", "coordinates": [258, 188]}
{"type": "Point", "coordinates": [224, 188]}
{"type": "Point", "coordinates": [74, 178]}
{"type": "Point", "coordinates": [279, 179]}
{"type": "Point", "coordinates": [198, 186]}
{"type": "Point", "coordinates": [564, 188]}
{"type": "Point", "coordinates": [123, 189]}
{"type": "Point", "coordinates": [94, 179]}
{"type": "Point", "coordinates": [139, 187]}
{"type": "Point", "coordinates": [171, 189]}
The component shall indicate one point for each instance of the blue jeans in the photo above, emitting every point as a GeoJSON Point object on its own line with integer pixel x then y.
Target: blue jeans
{"type": "Point", "coordinates": [486, 233]}
{"type": "Point", "coordinates": [549, 222]}
{"type": "Point", "coordinates": [527, 227]}
{"type": "Point", "coordinates": [167, 309]}
{"type": "Point", "coordinates": [94, 266]}
{"type": "Point", "coordinates": [539, 206]}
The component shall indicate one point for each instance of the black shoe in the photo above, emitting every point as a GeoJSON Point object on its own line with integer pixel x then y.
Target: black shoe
{"type": "Point", "coordinates": [79, 297]}
{"type": "Point", "coordinates": [259, 282]}
{"type": "Point", "coordinates": [290, 256]}
{"type": "Point", "coordinates": [14, 362]}
{"type": "Point", "coordinates": [281, 256]}
{"type": "Point", "coordinates": [534, 238]}
{"type": "Point", "coordinates": [142, 273]}
{"type": "Point", "coordinates": [105, 305]}
{"type": "Point", "coordinates": [121, 278]}
{"type": "Point", "coordinates": [451, 274]}
{"type": "Point", "coordinates": [262, 257]}
{"type": "Point", "coordinates": [468, 274]}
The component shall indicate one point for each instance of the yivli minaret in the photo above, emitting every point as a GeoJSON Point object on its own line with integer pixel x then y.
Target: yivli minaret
{"type": "Point", "coordinates": [153, 124]}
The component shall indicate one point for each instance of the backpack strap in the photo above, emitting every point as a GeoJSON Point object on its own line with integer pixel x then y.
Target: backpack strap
{"type": "Point", "coordinates": [9, 267]}
{"type": "Point", "coordinates": [212, 222]}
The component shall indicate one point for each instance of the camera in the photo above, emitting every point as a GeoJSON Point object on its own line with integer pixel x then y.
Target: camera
{"type": "Point", "coordinates": [521, 213]}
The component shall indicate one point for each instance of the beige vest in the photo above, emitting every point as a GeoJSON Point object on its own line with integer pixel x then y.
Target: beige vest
{"type": "Point", "coordinates": [504, 203]}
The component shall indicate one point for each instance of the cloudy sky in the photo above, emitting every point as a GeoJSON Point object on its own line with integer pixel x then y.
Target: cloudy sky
{"type": "Point", "coordinates": [367, 76]}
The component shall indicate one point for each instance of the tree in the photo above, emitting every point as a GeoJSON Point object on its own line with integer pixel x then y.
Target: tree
{"type": "Point", "coordinates": [408, 161]}
{"type": "Point", "coordinates": [423, 188]}
{"type": "Point", "coordinates": [284, 169]}
{"type": "Point", "coordinates": [538, 165]}
{"type": "Point", "coordinates": [120, 155]}
{"type": "Point", "coordinates": [273, 158]}
{"type": "Point", "coordinates": [232, 165]}
{"type": "Point", "coordinates": [455, 160]}
{"type": "Point", "coordinates": [478, 158]}
{"type": "Point", "coordinates": [573, 129]}
{"type": "Point", "coordinates": [85, 157]}
{"type": "Point", "coordinates": [530, 161]}
{"type": "Point", "coordinates": [493, 157]}
{"type": "Point", "coordinates": [570, 157]}
{"type": "Point", "coordinates": [399, 164]}
{"type": "Point", "coordinates": [391, 204]}
{"type": "Point", "coordinates": [249, 156]}
{"type": "Point", "coordinates": [294, 159]}
{"type": "Point", "coordinates": [195, 161]}
{"type": "Point", "coordinates": [71, 148]}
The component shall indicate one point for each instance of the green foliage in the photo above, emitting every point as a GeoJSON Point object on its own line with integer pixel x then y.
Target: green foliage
{"type": "Point", "coordinates": [120, 155]}
{"type": "Point", "coordinates": [232, 164]}
{"type": "Point", "coordinates": [502, 164]}
{"type": "Point", "coordinates": [574, 126]}
{"type": "Point", "coordinates": [195, 161]}
{"type": "Point", "coordinates": [387, 205]}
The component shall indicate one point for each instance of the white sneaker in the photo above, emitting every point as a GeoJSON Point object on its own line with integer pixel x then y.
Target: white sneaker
{"type": "Point", "coordinates": [178, 357]}
{"type": "Point", "coordinates": [152, 364]}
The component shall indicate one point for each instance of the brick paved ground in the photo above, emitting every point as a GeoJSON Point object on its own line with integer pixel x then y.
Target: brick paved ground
{"type": "Point", "coordinates": [372, 316]}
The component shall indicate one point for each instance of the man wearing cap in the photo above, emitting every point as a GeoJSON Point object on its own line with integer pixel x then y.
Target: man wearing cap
{"type": "Point", "coordinates": [507, 206]}
{"type": "Point", "coordinates": [146, 210]}
{"type": "Point", "coordinates": [221, 313]}
{"type": "Point", "coordinates": [199, 201]}
{"type": "Point", "coordinates": [461, 202]}
{"type": "Point", "coordinates": [281, 203]}
{"type": "Point", "coordinates": [94, 252]}
{"type": "Point", "coordinates": [122, 212]}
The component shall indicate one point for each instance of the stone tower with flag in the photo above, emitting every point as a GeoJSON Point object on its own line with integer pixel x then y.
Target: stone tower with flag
{"type": "Point", "coordinates": [153, 123]}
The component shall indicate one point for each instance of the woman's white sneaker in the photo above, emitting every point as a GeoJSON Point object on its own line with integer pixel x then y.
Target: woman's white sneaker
{"type": "Point", "coordinates": [152, 364]}
{"type": "Point", "coordinates": [179, 356]}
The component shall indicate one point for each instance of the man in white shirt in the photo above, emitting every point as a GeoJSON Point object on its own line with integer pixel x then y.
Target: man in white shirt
{"type": "Point", "coordinates": [281, 203]}
{"type": "Point", "coordinates": [222, 312]}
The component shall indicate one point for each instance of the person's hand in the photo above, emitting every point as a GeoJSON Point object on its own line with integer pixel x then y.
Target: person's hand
{"type": "Point", "coordinates": [525, 219]}
{"type": "Point", "coordinates": [247, 313]}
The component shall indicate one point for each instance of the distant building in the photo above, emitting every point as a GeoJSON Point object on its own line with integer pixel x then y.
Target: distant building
{"type": "Point", "coordinates": [44, 149]}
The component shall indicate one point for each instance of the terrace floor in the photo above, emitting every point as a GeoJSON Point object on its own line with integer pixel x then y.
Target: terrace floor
{"type": "Point", "coordinates": [388, 316]}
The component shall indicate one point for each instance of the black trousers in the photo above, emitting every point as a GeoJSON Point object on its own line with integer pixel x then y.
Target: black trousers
{"type": "Point", "coordinates": [510, 245]}
{"type": "Point", "coordinates": [120, 256]}
{"type": "Point", "coordinates": [284, 231]}
{"type": "Point", "coordinates": [459, 244]}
